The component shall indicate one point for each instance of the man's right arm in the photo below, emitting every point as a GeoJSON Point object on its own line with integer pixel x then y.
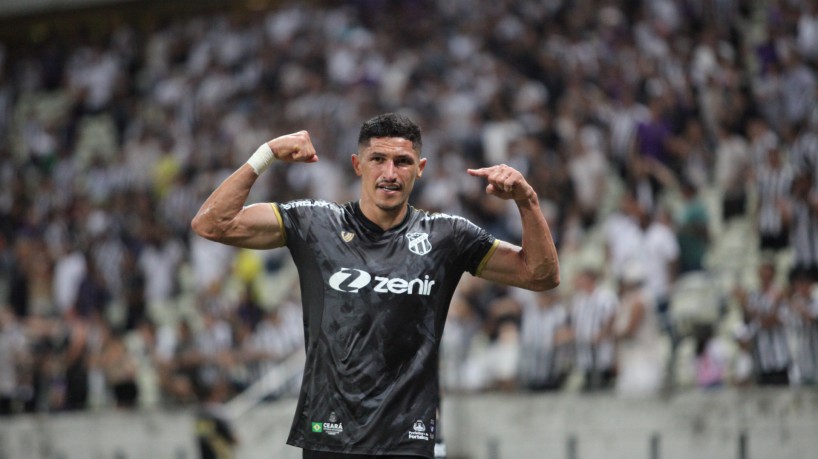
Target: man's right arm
{"type": "Point", "coordinates": [224, 218]}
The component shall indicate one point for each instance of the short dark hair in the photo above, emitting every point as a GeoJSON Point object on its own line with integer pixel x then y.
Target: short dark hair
{"type": "Point", "coordinates": [390, 125]}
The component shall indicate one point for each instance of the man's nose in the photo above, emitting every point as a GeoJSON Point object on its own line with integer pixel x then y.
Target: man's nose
{"type": "Point", "coordinates": [389, 170]}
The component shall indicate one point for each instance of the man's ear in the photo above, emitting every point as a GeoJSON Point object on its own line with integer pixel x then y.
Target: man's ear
{"type": "Point", "coordinates": [421, 166]}
{"type": "Point", "coordinates": [356, 164]}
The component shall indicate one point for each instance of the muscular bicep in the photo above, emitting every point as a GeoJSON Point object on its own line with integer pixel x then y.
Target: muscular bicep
{"type": "Point", "coordinates": [257, 226]}
{"type": "Point", "coordinates": [505, 265]}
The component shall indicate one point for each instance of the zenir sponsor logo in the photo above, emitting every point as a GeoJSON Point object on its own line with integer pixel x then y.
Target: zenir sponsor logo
{"type": "Point", "coordinates": [351, 280]}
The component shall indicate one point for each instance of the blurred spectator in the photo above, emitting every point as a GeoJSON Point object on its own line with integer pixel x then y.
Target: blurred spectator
{"type": "Point", "coordinates": [496, 366]}
{"type": "Point", "coordinates": [692, 229]}
{"type": "Point", "coordinates": [658, 260]}
{"type": "Point", "coordinates": [653, 135]}
{"type": "Point", "coordinates": [626, 114]}
{"type": "Point", "coordinates": [588, 169]}
{"type": "Point", "coordinates": [732, 171]}
{"type": "Point", "coordinates": [69, 270]}
{"type": "Point", "coordinates": [93, 295]}
{"type": "Point", "coordinates": [803, 306]}
{"type": "Point", "coordinates": [133, 291]}
{"type": "Point", "coordinates": [277, 336]}
{"type": "Point", "coordinates": [639, 345]}
{"type": "Point", "coordinates": [546, 343]}
{"type": "Point", "coordinates": [696, 154]}
{"type": "Point", "coordinates": [711, 361]}
{"type": "Point", "coordinates": [799, 88]}
{"type": "Point", "coordinates": [213, 342]}
{"type": "Point", "coordinates": [120, 370]}
{"type": "Point", "coordinates": [79, 348]}
{"type": "Point", "coordinates": [774, 180]}
{"type": "Point", "coordinates": [764, 314]}
{"type": "Point", "coordinates": [742, 365]}
{"type": "Point", "coordinates": [593, 311]}
{"type": "Point", "coordinates": [159, 261]}
{"type": "Point", "coordinates": [215, 434]}
{"type": "Point", "coordinates": [462, 326]}
{"type": "Point", "coordinates": [179, 370]}
{"type": "Point", "coordinates": [802, 217]}
{"type": "Point", "coordinates": [623, 232]}
{"type": "Point", "coordinates": [12, 355]}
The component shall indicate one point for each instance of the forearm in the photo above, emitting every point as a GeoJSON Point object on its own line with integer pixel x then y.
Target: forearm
{"type": "Point", "coordinates": [533, 266]}
{"type": "Point", "coordinates": [538, 251]}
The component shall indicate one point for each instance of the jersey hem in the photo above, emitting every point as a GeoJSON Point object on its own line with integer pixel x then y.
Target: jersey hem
{"type": "Point", "coordinates": [368, 452]}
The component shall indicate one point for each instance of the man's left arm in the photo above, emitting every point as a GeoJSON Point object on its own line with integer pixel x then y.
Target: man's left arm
{"type": "Point", "coordinates": [535, 265]}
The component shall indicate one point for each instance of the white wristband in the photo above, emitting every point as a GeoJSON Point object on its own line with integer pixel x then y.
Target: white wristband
{"type": "Point", "coordinates": [262, 158]}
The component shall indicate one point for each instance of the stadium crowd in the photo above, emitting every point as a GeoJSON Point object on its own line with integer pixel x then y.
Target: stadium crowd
{"type": "Point", "coordinates": [673, 144]}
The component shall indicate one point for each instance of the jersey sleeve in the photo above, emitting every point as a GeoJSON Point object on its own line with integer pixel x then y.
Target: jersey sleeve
{"type": "Point", "coordinates": [474, 245]}
{"type": "Point", "coordinates": [280, 218]}
{"type": "Point", "coordinates": [295, 217]}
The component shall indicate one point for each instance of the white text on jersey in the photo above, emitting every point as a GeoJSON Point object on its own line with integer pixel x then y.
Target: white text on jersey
{"type": "Point", "coordinates": [351, 280]}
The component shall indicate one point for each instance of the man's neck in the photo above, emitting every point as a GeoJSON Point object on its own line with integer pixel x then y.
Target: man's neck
{"type": "Point", "coordinates": [384, 219]}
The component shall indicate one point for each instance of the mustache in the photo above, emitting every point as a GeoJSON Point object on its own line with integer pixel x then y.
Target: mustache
{"type": "Point", "coordinates": [389, 182]}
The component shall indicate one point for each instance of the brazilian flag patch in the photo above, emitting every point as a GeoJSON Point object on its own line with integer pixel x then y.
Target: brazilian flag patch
{"type": "Point", "coordinates": [317, 427]}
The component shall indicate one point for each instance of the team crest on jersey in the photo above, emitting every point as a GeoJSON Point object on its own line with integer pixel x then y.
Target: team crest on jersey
{"type": "Point", "coordinates": [347, 236]}
{"type": "Point", "coordinates": [419, 432]}
{"type": "Point", "coordinates": [419, 243]}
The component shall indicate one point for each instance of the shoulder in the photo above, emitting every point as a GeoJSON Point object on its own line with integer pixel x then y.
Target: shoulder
{"type": "Point", "coordinates": [454, 221]}
{"type": "Point", "coordinates": [311, 204]}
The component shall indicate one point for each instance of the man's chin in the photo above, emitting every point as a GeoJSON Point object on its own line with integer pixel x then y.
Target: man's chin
{"type": "Point", "coordinates": [396, 206]}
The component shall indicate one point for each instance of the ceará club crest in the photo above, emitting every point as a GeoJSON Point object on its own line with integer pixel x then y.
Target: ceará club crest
{"type": "Point", "coordinates": [419, 243]}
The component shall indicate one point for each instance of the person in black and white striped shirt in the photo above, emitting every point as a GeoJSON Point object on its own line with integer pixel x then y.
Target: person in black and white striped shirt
{"type": "Point", "coordinates": [804, 150]}
{"type": "Point", "coordinates": [803, 308]}
{"type": "Point", "coordinates": [774, 180]}
{"type": "Point", "coordinates": [546, 336]}
{"type": "Point", "coordinates": [764, 315]}
{"type": "Point", "coordinates": [593, 310]}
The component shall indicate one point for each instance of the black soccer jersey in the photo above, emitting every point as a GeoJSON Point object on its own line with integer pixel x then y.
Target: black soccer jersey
{"type": "Point", "coordinates": [375, 303]}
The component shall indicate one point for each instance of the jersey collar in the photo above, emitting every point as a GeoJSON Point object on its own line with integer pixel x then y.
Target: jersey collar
{"type": "Point", "coordinates": [370, 226]}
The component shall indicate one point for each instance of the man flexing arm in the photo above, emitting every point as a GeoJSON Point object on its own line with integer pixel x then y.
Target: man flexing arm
{"type": "Point", "coordinates": [224, 218]}
{"type": "Point", "coordinates": [535, 265]}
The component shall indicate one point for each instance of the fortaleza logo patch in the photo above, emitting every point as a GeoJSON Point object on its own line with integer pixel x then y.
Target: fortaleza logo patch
{"type": "Point", "coordinates": [351, 280]}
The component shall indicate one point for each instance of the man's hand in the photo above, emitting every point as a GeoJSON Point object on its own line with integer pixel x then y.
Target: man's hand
{"type": "Point", "coordinates": [296, 147]}
{"type": "Point", "coordinates": [505, 182]}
